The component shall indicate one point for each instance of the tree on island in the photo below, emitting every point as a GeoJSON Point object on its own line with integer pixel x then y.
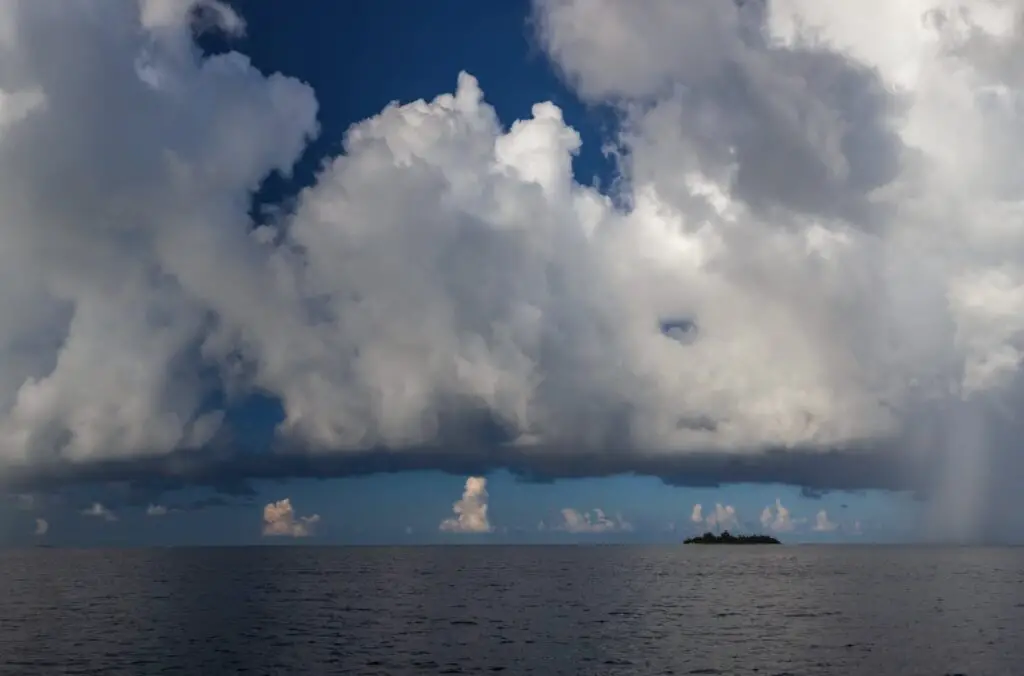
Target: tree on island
{"type": "Point", "coordinates": [727, 538]}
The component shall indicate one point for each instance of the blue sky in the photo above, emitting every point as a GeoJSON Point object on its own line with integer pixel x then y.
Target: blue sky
{"type": "Point", "coordinates": [359, 56]}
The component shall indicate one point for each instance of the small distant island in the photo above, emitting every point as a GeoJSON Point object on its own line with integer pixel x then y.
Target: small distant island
{"type": "Point", "coordinates": [727, 538]}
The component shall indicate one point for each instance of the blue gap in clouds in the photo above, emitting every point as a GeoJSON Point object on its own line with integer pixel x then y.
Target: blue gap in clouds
{"type": "Point", "coordinates": [361, 55]}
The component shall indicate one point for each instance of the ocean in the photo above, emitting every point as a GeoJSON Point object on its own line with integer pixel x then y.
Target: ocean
{"type": "Point", "coordinates": [516, 610]}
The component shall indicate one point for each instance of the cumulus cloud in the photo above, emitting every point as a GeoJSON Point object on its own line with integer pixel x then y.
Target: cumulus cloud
{"type": "Point", "coordinates": [471, 510]}
{"type": "Point", "coordinates": [156, 510]}
{"type": "Point", "coordinates": [822, 524]}
{"type": "Point", "coordinates": [594, 521]}
{"type": "Point", "coordinates": [42, 527]}
{"type": "Point", "coordinates": [809, 274]}
{"type": "Point", "coordinates": [98, 511]}
{"type": "Point", "coordinates": [280, 520]}
{"type": "Point", "coordinates": [778, 519]}
{"type": "Point", "coordinates": [723, 517]}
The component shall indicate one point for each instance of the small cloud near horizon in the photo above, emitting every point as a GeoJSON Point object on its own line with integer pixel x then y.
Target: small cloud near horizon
{"type": "Point", "coordinates": [98, 511]}
{"type": "Point", "coordinates": [280, 520]}
{"type": "Point", "coordinates": [595, 521]}
{"type": "Point", "coordinates": [470, 511]}
{"type": "Point", "coordinates": [822, 524]}
{"type": "Point", "coordinates": [724, 516]}
{"type": "Point", "coordinates": [779, 519]}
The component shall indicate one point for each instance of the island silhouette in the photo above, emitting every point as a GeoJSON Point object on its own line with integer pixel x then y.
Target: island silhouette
{"type": "Point", "coordinates": [727, 538]}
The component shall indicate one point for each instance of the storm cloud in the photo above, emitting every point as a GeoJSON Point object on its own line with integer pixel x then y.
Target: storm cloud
{"type": "Point", "coordinates": [808, 271]}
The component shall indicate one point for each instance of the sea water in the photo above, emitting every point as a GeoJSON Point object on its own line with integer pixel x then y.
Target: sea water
{"type": "Point", "coordinates": [520, 610]}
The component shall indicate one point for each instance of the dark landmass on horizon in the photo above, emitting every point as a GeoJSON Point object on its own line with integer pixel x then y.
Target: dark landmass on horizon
{"type": "Point", "coordinates": [727, 538]}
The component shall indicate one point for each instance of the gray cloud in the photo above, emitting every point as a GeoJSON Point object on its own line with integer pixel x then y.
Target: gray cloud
{"type": "Point", "coordinates": [810, 275]}
{"type": "Point", "coordinates": [99, 511]}
{"type": "Point", "coordinates": [822, 470]}
{"type": "Point", "coordinates": [594, 521]}
{"type": "Point", "coordinates": [823, 524]}
{"type": "Point", "coordinates": [156, 510]}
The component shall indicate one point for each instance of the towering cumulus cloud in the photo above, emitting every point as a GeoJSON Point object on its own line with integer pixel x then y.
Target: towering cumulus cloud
{"type": "Point", "coordinates": [471, 510]}
{"type": "Point", "coordinates": [810, 271]}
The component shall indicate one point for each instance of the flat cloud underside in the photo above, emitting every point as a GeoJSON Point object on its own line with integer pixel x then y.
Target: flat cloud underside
{"type": "Point", "coordinates": [815, 470]}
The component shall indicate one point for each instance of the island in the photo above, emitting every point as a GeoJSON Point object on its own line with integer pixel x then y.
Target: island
{"type": "Point", "coordinates": [727, 538]}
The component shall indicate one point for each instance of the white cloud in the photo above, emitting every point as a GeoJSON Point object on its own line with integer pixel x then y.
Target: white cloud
{"type": "Point", "coordinates": [280, 519]}
{"type": "Point", "coordinates": [724, 516]}
{"type": "Point", "coordinates": [444, 268]}
{"type": "Point", "coordinates": [594, 521]}
{"type": "Point", "coordinates": [822, 524]}
{"type": "Point", "coordinates": [42, 527]}
{"type": "Point", "coordinates": [471, 510]}
{"type": "Point", "coordinates": [778, 520]}
{"type": "Point", "coordinates": [156, 510]}
{"type": "Point", "coordinates": [97, 510]}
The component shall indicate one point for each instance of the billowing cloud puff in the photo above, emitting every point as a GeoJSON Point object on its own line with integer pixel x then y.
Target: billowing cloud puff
{"type": "Point", "coordinates": [156, 510]}
{"type": "Point", "coordinates": [471, 510]}
{"type": "Point", "coordinates": [98, 511]}
{"type": "Point", "coordinates": [594, 521]}
{"type": "Point", "coordinates": [42, 527]}
{"type": "Point", "coordinates": [724, 516]}
{"type": "Point", "coordinates": [822, 524]}
{"type": "Point", "coordinates": [280, 520]}
{"type": "Point", "coordinates": [779, 519]}
{"type": "Point", "coordinates": [811, 272]}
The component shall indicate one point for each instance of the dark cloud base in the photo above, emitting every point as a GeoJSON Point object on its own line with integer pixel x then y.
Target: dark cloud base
{"type": "Point", "coordinates": [814, 471]}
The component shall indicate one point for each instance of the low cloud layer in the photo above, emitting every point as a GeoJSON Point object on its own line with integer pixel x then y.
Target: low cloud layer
{"type": "Point", "coordinates": [778, 518]}
{"type": "Point", "coordinates": [97, 511]}
{"type": "Point", "coordinates": [594, 521]}
{"type": "Point", "coordinates": [775, 518]}
{"type": "Point", "coordinates": [822, 524]}
{"type": "Point", "coordinates": [156, 510]}
{"type": "Point", "coordinates": [470, 511]}
{"type": "Point", "coordinates": [280, 520]}
{"type": "Point", "coordinates": [723, 517]}
{"type": "Point", "coordinates": [811, 271]}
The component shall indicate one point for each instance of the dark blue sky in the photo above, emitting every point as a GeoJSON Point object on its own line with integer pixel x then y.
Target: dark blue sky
{"type": "Point", "coordinates": [360, 55]}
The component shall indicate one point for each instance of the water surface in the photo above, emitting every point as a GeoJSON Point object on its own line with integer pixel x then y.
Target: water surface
{"type": "Point", "coordinates": [518, 610]}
